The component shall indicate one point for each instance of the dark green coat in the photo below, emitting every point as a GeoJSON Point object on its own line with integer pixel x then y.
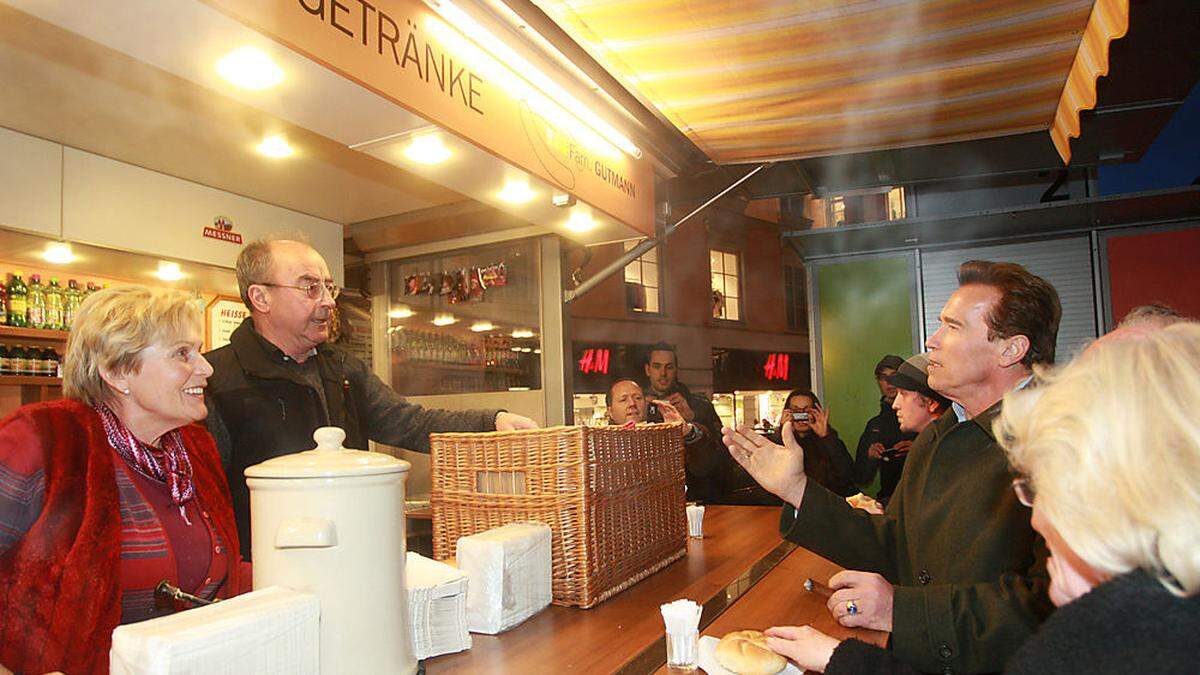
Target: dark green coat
{"type": "Point", "coordinates": [969, 571]}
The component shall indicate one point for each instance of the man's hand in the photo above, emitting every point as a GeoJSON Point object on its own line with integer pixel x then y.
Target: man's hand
{"type": "Point", "coordinates": [902, 449]}
{"type": "Point", "coordinates": [808, 647]}
{"type": "Point", "coordinates": [506, 421]}
{"type": "Point", "coordinates": [777, 468]}
{"type": "Point", "coordinates": [819, 420]}
{"type": "Point", "coordinates": [672, 416]}
{"type": "Point", "coordinates": [681, 404]}
{"type": "Point", "coordinates": [868, 593]}
{"type": "Point", "coordinates": [876, 450]}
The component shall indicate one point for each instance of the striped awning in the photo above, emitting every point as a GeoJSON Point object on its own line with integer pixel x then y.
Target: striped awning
{"type": "Point", "coordinates": [754, 80]}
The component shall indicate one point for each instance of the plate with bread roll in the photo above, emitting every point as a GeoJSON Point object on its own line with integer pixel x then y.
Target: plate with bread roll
{"type": "Point", "coordinates": [742, 652]}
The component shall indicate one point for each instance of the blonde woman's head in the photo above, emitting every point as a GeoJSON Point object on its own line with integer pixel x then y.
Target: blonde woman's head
{"type": "Point", "coordinates": [1110, 445]}
{"type": "Point", "coordinates": [112, 331]}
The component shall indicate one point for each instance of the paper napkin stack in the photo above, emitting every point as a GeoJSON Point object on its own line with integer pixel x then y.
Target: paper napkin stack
{"type": "Point", "coordinates": [509, 568]}
{"type": "Point", "coordinates": [437, 607]}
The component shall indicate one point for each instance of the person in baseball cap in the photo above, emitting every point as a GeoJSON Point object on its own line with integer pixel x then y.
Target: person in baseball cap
{"type": "Point", "coordinates": [916, 404]}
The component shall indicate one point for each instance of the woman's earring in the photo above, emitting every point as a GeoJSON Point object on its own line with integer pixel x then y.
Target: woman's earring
{"type": "Point", "coordinates": [125, 391]}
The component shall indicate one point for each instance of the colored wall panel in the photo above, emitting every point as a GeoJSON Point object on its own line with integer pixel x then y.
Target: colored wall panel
{"type": "Point", "coordinates": [1155, 267]}
{"type": "Point", "coordinates": [865, 311]}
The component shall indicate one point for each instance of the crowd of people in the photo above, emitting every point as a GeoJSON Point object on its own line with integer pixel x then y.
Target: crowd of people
{"type": "Point", "coordinates": [1010, 486]}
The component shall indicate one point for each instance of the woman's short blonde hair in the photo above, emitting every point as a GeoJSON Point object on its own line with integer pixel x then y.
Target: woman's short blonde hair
{"type": "Point", "coordinates": [112, 329]}
{"type": "Point", "coordinates": [1111, 445]}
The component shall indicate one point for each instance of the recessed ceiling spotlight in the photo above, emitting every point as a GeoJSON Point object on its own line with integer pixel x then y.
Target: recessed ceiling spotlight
{"type": "Point", "coordinates": [516, 191]}
{"type": "Point", "coordinates": [580, 222]}
{"type": "Point", "coordinates": [522, 333]}
{"type": "Point", "coordinates": [275, 147]}
{"type": "Point", "coordinates": [482, 326]}
{"type": "Point", "coordinates": [444, 320]}
{"type": "Point", "coordinates": [401, 312]}
{"type": "Point", "coordinates": [169, 271]}
{"type": "Point", "coordinates": [58, 253]}
{"type": "Point", "coordinates": [427, 148]}
{"type": "Point", "coordinates": [249, 68]}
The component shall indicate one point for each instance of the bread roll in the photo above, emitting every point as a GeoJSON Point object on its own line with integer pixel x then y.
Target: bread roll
{"type": "Point", "coordinates": [745, 652]}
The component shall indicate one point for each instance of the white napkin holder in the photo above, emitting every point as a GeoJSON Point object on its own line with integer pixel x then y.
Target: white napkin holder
{"type": "Point", "coordinates": [437, 606]}
{"type": "Point", "coordinates": [269, 631]}
{"type": "Point", "coordinates": [509, 568]}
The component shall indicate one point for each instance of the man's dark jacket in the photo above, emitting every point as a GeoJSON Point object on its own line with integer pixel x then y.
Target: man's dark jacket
{"type": "Point", "coordinates": [884, 429]}
{"type": "Point", "coordinates": [260, 406]}
{"type": "Point", "coordinates": [968, 570]}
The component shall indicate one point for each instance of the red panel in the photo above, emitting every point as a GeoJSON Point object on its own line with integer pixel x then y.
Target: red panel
{"type": "Point", "coordinates": [1155, 267]}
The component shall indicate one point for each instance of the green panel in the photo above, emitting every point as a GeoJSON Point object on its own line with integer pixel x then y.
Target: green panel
{"type": "Point", "coordinates": [865, 311]}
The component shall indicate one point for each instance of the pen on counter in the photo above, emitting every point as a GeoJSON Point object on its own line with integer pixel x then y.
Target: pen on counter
{"type": "Point", "coordinates": [818, 588]}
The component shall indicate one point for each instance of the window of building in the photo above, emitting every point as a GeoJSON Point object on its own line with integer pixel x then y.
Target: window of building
{"type": "Point", "coordinates": [642, 282]}
{"type": "Point", "coordinates": [872, 205]}
{"type": "Point", "coordinates": [797, 300]}
{"type": "Point", "coordinates": [726, 290]}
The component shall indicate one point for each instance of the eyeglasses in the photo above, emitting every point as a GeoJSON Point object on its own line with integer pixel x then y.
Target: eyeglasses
{"type": "Point", "coordinates": [1024, 491]}
{"type": "Point", "coordinates": [312, 289]}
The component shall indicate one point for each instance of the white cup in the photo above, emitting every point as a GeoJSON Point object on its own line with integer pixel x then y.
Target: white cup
{"type": "Point", "coordinates": [695, 518]}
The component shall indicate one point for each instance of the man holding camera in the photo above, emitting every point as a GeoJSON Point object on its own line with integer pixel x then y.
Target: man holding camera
{"type": "Point", "coordinates": [662, 373]}
{"type": "Point", "coordinates": [882, 433]}
{"type": "Point", "coordinates": [704, 457]}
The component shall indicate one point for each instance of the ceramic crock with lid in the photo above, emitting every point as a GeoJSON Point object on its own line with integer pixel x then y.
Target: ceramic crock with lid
{"type": "Point", "coordinates": [331, 521]}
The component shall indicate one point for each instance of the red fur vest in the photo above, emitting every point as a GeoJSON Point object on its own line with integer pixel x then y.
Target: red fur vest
{"type": "Point", "coordinates": [60, 595]}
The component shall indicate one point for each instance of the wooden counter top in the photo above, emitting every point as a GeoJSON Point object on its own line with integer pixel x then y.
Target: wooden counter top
{"type": "Point", "coordinates": [624, 634]}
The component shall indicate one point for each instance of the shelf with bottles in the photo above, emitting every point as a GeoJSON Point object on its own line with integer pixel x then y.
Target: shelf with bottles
{"type": "Point", "coordinates": [40, 306]}
{"type": "Point", "coordinates": [30, 380]}
{"type": "Point", "coordinates": [10, 333]}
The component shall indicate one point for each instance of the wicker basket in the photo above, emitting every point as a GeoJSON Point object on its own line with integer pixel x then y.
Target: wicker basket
{"type": "Point", "coordinates": [613, 499]}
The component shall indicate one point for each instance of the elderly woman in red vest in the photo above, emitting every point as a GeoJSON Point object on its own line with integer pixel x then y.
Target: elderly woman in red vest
{"type": "Point", "coordinates": [113, 489]}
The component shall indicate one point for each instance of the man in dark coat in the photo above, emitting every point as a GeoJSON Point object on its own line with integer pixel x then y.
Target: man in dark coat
{"type": "Point", "coordinates": [278, 380]}
{"type": "Point", "coordinates": [953, 569]}
{"type": "Point", "coordinates": [662, 375]}
{"type": "Point", "coordinates": [882, 433]}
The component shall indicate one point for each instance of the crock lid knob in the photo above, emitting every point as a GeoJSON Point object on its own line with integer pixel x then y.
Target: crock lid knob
{"type": "Point", "coordinates": [329, 438]}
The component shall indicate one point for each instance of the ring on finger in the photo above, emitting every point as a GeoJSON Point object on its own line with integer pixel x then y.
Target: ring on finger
{"type": "Point", "coordinates": [851, 607]}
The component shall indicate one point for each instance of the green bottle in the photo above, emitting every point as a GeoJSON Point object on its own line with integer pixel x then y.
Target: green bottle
{"type": "Point", "coordinates": [18, 295]}
{"type": "Point", "coordinates": [35, 312]}
{"type": "Point", "coordinates": [72, 298]}
{"type": "Point", "coordinates": [54, 306]}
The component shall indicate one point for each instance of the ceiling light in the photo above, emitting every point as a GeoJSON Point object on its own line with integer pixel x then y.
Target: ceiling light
{"type": "Point", "coordinates": [169, 271]}
{"type": "Point", "coordinates": [549, 91]}
{"type": "Point", "coordinates": [427, 149]}
{"type": "Point", "coordinates": [482, 326]}
{"type": "Point", "coordinates": [580, 222]}
{"type": "Point", "coordinates": [58, 253]}
{"type": "Point", "coordinates": [401, 312]}
{"type": "Point", "coordinates": [537, 351]}
{"type": "Point", "coordinates": [444, 320]}
{"type": "Point", "coordinates": [514, 349]}
{"type": "Point", "coordinates": [276, 147]}
{"type": "Point", "coordinates": [522, 333]}
{"type": "Point", "coordinates": [516, 191]}
{"type": "Point", "coordinates": [518, 388]}
{"type": "Point", "coordinates": [249, 68]}
{"type": "Point", "coordinates": [526, 350]}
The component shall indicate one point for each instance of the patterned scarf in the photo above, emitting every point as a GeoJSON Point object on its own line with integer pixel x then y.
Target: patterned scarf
{"type": "Point", "coordinates": [169, 465]}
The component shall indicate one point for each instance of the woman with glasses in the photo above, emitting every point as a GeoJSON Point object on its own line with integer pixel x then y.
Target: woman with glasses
{"type": "Point", "coordinates": [1107, 453]}
{"type": "Point", "coordinates": [115, 488]}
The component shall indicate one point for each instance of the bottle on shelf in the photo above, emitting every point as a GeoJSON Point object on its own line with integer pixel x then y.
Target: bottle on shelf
{"type": "Point", "coordinates": [5, 361]}
{"type": "Point", "coordinates": [36, 311]}
{"type": "Point", "coordinates": [18, 296]}
{"type": "Point", "coordinates": [16, 358]}
{"type": "Point", "coordinates": [72, 298]}
{"type": "Point", "coordinates": [54, 306]}
{"type": "Point", "coordinates": [4, 303]}
{"type": "Point", "coordinates": [55, 360]}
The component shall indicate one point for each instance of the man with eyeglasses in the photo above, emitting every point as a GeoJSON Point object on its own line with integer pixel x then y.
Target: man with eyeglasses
{"type": "Point", "coordinates": [277, 380]}
{"type": "Point", "coordinates": [952, 569]}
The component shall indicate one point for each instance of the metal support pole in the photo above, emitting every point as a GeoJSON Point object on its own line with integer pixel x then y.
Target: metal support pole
{"type": "Point", "coordinates": [647, 244]}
